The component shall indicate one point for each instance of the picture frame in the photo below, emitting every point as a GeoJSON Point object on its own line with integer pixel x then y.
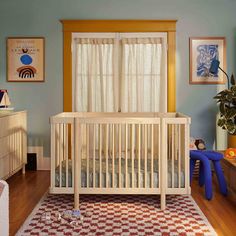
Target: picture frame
{"type": "Point", "coordinates": [25, 59]}
{"type": "Point", "coordinates": [202, 51]}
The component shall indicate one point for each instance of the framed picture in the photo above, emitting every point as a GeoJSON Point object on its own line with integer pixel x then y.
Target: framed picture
{"type": "Point", "coordinates": [202, 52]}
{"type": "Point", "coordinates": [25, 59]}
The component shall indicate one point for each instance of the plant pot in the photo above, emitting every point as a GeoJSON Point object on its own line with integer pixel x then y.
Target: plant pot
{"type": "Point", "coordinates": [231, 141]}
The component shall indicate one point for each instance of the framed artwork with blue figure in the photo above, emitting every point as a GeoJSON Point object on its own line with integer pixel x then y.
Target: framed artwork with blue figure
{"type": "Point", "coordinates": [202, 52]}
{"type": "Point", "coordinates": [25, 59]}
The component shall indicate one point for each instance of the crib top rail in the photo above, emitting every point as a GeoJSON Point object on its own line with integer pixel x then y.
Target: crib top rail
{"type": "Point", "coordinates": [120, 117]}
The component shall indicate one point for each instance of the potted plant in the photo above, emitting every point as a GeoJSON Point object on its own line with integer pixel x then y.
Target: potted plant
{"type": "Point", "coordinates": [227, 107]}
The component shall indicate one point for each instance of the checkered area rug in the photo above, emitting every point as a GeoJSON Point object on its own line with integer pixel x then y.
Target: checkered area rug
{"type": "Point", "coordinates": [118, 215]}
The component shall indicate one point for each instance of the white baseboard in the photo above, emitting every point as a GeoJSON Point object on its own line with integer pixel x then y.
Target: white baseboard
{"type": "Point", "coordinates": [43, 163]}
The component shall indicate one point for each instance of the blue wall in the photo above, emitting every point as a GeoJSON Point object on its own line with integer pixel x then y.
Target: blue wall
{"type": "Point", "coordinates": [41, 18]}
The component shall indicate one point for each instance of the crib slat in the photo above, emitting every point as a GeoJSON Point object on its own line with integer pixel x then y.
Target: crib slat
{"type": "Point", "coordinates": [139, 152]}
{"type": "Point", "coordinates": [172, 154]}
{"type": "Point", "coordinates": [185, 147]}
{"type": "Point", "coordinates": [61, 151]}
{"type": "Point", "coordinates": [87, 152]}
{"type": "Point", "coordinates": [72, 153]}
{"type": "Point", "coordinates": [66, 151]}
{"type": "Point", "coordinates": [163, 158]}
{"type": "Point", "coordinates": [77, 166]}
{"type": "Point", "coordinates": [94, 153]}
{"type": "Point", "coordinates": [106, 154]}
{"type": "Point", "coordinates": [159, 154]}
{"type": "Point", "coordinates": [179, 155]}
{"type": "Point", "coordinates": [58, 151]}
{"type": "Point", "coordinates": [145, 155]}
{"type": "Point", "coordinates": [100, 155]}
{"type": "Point", "coordinates": [120, 185]}
{"type": "Point", "coordinates": [126, 155]}
{"type": "Point", "coordinates": [169, 138]}
{"type": "Point", "coordinates": [53, 148]}
{"type": "Point", "coordinates": [152, 156]}
{"type": "Point", "coordinates": [132, 153]}
{"type": "Point", "coordinates": [113, 155]}
{"type": "Point", "coordinates": [56, 145]}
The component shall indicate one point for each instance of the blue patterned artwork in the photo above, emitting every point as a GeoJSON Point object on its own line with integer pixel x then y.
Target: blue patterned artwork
{"type": "Point", "coordinates": [205, 55]}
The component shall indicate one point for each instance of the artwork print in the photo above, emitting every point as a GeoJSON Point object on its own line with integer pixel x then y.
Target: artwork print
{"type": "Point", "coordinates": [202, 52]}
{"type": "Point", "coordinates": [206, 53]}
{"type": "Point", "coordinates": [25, 59]}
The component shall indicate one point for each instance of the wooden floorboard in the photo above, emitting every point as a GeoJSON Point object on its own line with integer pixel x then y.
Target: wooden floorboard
{"type": "Point", "coordinates": [220, 210]}
{"type": "Point", "coordinates": [26, 190]}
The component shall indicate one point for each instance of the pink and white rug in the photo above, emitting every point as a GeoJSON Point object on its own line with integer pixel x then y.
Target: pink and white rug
{"type": "Point", "coordinates": [117, 215]}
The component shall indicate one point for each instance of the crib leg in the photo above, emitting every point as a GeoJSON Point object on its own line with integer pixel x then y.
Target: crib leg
{"type": "Point", "coordinates": [76, 201]}
{"type": "Point", "coordinates": [163, 202]}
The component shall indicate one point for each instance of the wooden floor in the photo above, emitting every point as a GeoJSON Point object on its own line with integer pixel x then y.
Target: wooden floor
{"type": "Point", "coordinates": [26, 191]}
{"type": "Point", "coordinates": [220, 211]}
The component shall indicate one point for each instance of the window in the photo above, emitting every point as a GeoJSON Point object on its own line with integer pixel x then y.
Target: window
{"type": "Point", "coordinates": [119, 72]}
{"type": "Point", "coordinates": [81, 26]}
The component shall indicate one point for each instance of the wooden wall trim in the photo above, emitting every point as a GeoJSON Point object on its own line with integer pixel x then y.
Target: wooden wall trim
{"type": "Point", "coordinates": [67, 72]}
{"type": "Point", "coordinates": [171, 73]}
{"type": "Point", "coordinates": [73, 26]}
{"type": "Point", "coordinates": [119, 25]}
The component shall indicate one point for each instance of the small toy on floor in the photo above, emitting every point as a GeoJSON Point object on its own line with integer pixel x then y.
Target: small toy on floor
{"type": "Point", "coordinates": [72, 217]}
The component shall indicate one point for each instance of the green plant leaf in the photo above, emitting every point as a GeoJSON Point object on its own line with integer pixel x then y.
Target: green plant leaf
{"type": "Point", "coordinates": [221, 122]}
{"type": "Point", "coordinates": [227, 107]}
{"type": "Point", "coordinates": [222, 107]}
{"type": "Point", "coordinates": [230, 113]}
{"type": "Point", "coordinates": [229, 97]}
{"type": "Point", "coordinates": [232, 80]}
{"type": "Point", "coordinates": [231, 128]}
{"type": "Point", "coordinates": [233, 88]}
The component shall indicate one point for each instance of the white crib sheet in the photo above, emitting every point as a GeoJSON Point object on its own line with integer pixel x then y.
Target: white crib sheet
{"type": "Point", "coordinates": [116, 175]}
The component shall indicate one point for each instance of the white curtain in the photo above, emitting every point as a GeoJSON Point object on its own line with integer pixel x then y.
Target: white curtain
{"type": "Point", "coordinates": [139, 85]}
{"type": "Point", "coordinates": [95, 81]}
{"type": "Point", "coordinates": [143, 78]}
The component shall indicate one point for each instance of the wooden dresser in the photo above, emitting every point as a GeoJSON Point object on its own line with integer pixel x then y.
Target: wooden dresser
{"type": "Point", "coordinates": [229, 167]}
{"type": "Point", "coordinates": [13, 142]}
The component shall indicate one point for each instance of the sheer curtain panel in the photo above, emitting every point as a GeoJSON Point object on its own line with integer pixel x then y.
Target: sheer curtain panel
{"type": "Point", "coordinates": [124, 72]}
{"type": "Point", "coordinates": [95, 81]}
{"type": "Point", "coordinates": [143, 78]}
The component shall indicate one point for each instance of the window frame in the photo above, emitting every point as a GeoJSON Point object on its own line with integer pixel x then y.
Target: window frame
{"type": "Point", "coordinates": [89, 26]}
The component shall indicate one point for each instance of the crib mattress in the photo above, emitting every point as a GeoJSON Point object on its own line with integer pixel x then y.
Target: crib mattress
{"type": "Point", "coordinates": [116, 174]}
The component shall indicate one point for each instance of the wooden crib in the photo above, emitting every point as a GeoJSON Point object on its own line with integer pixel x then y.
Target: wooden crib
{"type": "Point", "coordinates": [120, 153]}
